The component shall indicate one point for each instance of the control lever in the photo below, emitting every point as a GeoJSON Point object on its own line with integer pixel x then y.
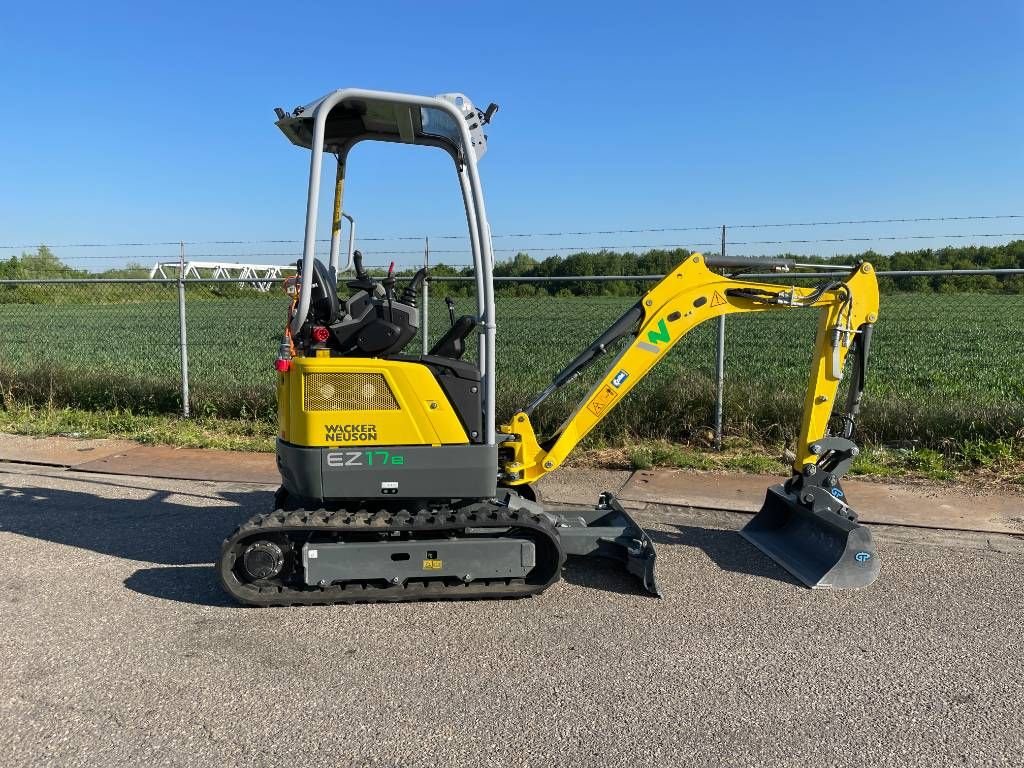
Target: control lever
{"type": "Point", "coordinates": [389, 290]}
{"type": "Point", "coordinates": [357, 261]}
{"type": "Point", "coordinates": [389, 282]}
{"type": "Point", "coordinates": [413, 288]}
{"type": "Point", "coordinates": [363, 282]}
{"type": "Point", "coordinates": [451, 309]}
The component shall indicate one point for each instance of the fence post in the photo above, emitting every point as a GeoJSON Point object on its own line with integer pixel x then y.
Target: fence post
{"type": "Point", "coordinates": [182, 331]}
{"type": "Point", "coordinates": [425, 308]}
{"type": "Point", "coordinates": [720, 369]}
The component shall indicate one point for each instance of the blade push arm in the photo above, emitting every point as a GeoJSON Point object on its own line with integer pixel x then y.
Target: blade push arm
{"type": "Point", "coordinates": [686, 297]}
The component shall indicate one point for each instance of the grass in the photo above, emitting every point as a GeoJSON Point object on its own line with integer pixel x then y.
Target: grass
{"type": "Point", "coordinates": [202, 432]}
{"type": "Point", "coordinates": [998, 462]}
{"type": "Point", "coordinates": [945, 374]}
{"type": "Point", "coordinates": [879, 463]}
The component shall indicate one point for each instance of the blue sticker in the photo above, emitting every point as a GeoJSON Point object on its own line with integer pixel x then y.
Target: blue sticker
{"type": "Point", "coordinates": [862, 557]}
{"type": "Point", "coordinates": [620, 377]}
{"type": "Point", "coordinates": [838, 493]}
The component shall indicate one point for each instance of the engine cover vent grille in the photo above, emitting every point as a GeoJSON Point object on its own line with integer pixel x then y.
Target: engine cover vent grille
{"type": "Point", "coordinates": [347, 392]}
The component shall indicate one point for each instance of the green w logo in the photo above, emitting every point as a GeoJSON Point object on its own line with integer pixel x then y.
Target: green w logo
{"type": "Point", "coordinates": [659, 336]}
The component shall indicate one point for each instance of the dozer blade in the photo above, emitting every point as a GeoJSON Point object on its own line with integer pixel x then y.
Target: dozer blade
{"type": "Point", "coordinates": [815, 541]}
{"type": "Point", "coordinates": [608, 531]}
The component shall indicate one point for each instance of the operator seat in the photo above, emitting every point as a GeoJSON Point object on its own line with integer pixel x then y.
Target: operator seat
{"type": "Point", "coordinates": [325, 304]}
{"type": "Point", "coordinates": [453, 343]}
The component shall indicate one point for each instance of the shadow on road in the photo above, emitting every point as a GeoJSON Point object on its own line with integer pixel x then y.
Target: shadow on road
{"type": "Point", "coordinates": [183, 531]}
{"type": "Point", "coordinates": [161, 528]}
{"type": "Point", "coordinates": [196, 584]}
{"type": "Point", "coordinates": [603, 574]}
{"type": "Point", "coordinates": [169, 528]}
{"type": "Point", "coordinates": [726, 548]}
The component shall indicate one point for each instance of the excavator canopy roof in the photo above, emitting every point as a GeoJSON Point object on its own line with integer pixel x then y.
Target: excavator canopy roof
{"type": "Point", "coordinates": [359, 118]}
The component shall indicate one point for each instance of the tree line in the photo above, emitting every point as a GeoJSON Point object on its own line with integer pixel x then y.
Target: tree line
{"type": "Point", "coordinates": [658, 262]}
{"type": "Point", "coordinates": [44, 263]}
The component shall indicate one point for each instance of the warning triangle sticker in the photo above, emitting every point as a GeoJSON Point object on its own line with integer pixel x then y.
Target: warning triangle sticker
{"type": "Point", "coordinates": [717, 300]}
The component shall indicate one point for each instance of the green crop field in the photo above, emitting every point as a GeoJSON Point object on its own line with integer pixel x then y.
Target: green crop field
{"type": "Point", "coordinates": [944, 365]}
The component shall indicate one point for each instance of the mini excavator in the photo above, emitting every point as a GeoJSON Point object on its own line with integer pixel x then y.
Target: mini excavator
{"type": "Point", "coordinates": [398, 483]}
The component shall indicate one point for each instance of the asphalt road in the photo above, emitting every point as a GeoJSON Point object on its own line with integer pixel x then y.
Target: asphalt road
{"type": "Point", "coordinates": [119, 649]}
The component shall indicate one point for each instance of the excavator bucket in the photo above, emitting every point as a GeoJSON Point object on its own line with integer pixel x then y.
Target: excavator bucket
{"type": "Point", "coordinates": [817, 539]}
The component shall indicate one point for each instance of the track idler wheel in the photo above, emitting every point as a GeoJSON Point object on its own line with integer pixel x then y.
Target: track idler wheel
{"type": "Point", "coordinates": [263, 560]}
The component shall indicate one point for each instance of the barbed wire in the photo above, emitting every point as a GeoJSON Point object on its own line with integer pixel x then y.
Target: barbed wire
{"type": "Point", "coordinates": [567, 233]}
{"type": "Point", "coordinates": [566, 248]}
{"type": "Point", "coordinates": [652, 246]}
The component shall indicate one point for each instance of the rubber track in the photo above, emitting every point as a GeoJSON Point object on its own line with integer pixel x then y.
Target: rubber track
{"type": "Point", "coordinates": [299, 523]}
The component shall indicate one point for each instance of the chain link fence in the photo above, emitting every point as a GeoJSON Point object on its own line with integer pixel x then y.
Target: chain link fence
{"type": "Point", "coordinates": [944, 365]}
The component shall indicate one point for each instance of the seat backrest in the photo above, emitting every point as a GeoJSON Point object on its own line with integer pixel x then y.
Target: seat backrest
{"type": "Point", "coordinates": [453, 343]}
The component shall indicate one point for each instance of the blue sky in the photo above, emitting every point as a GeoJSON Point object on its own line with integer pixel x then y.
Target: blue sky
{"type": "Point", "coordinates": [149, 122]}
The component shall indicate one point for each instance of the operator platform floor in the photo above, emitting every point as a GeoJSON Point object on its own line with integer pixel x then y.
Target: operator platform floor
{"type": "Point", "coordinates": [121, 649]}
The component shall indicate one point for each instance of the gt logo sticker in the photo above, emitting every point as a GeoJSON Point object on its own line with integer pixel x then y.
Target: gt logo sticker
{"type": "Point", "coordinates": [602, 400]}
{"type": "Point", "coordinates": [620, 377]}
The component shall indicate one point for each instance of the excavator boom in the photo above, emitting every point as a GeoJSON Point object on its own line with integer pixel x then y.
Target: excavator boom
{"type": "Point", "coordinates": [692, 294]}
